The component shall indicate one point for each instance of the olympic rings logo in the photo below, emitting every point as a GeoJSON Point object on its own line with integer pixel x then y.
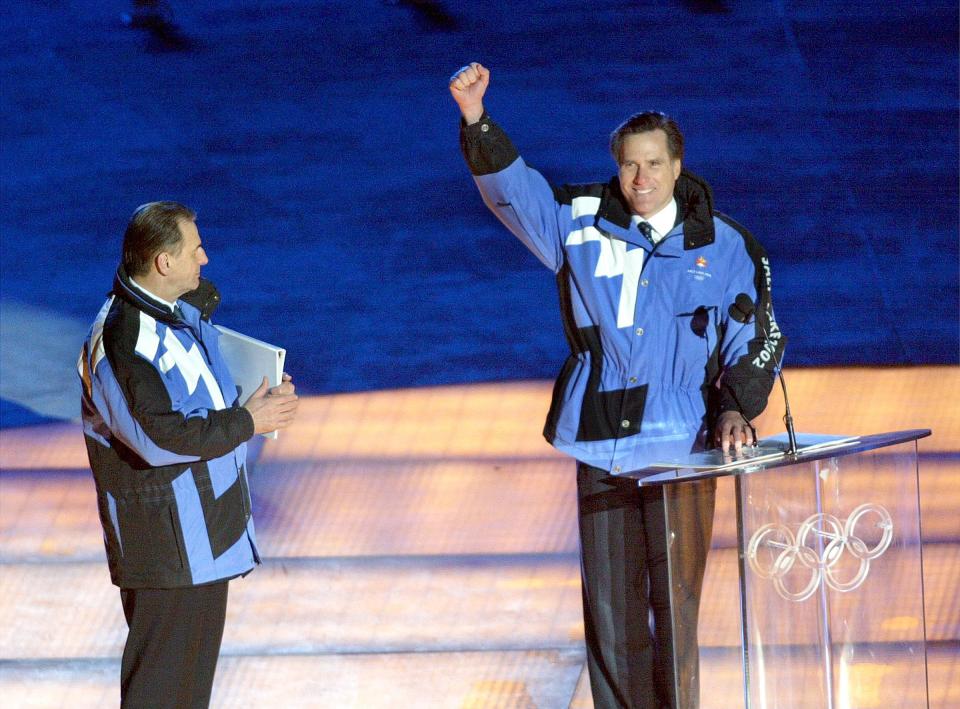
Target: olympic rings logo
{"type": "Point", "coordinates": [833, 539]}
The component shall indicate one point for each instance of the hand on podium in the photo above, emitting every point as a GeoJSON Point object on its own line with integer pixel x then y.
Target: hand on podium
{"type": "Point", "coordinates": [733, 431]}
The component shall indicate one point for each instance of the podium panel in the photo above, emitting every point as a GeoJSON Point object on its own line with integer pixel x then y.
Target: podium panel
{"type": "Point", "coordinates": [814, 581]}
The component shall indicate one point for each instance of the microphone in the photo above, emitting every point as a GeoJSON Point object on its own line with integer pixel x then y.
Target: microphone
{"type": "Point", "coordinates": [743, 310]}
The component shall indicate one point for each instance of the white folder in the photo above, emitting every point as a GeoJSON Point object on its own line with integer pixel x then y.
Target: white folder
{"type": "Point", "coordinates": [250, 360]}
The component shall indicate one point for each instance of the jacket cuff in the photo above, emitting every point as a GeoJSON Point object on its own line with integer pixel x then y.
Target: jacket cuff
{"type": "Point", "coordinates": [728, 402]}
{"type": "Point", "coordinates": [486, 147]}
{"type": "Point", "coordinates": [745, 395]}
{"type": "Point", "coordinates": [246, 423]}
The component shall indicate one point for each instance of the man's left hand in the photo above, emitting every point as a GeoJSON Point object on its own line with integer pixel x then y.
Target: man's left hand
{"type": "Point", "coordinates": [733, 431]}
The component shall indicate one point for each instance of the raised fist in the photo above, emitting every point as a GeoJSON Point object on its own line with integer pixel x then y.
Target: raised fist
{"type": "Point", "coordinates": [467, 86]}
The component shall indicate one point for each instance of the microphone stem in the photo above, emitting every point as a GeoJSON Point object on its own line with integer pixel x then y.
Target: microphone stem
{"type": "Point", "coordinates": [788, 417]}
{"type": "Point", "coordinates": [742, 311]}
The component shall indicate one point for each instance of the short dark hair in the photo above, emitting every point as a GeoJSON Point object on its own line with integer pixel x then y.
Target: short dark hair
{"type": "Point", "coordinates": [644, 122]}
{"type": "Point", "coordinates": [153, 228]}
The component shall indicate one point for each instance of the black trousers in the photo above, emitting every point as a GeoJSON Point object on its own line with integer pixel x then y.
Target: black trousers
{"type": "Point", "coordinates": [626, 580]}
{"type": "Point", "coordinates": [172, 646]}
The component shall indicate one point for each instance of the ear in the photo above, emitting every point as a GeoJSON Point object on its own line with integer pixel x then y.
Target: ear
{"type": "Point", "coordinates": [677, 167]}
{"type": "Point", "coordinates": [162, 263]}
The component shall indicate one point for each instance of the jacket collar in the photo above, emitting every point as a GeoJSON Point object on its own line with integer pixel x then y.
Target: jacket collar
{"type": "Point", "coordinates": [205, 298]}
{"type": "Point", "coordinates": [694, 210]}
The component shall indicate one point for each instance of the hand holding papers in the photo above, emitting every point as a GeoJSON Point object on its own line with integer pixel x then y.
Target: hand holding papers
{"type": "Point", "coordinates": [257, 366]}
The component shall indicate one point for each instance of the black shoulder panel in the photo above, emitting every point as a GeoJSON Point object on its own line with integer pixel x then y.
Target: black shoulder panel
{"type": "Point", "coordinates": [565, 194]}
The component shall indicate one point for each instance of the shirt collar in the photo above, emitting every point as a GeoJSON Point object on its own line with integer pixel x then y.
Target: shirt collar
{"type": "Point", "coordinates": [154, 296]}
{"type": "Point", "coordinates": [662, 222]}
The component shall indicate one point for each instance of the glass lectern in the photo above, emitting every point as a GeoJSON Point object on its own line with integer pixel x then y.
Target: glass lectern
{"type": "Point", "coordinates": [818, 557]}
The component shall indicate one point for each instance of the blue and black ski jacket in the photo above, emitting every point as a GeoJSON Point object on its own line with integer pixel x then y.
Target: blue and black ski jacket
{"type": "Point", "coordinates": [166, 439]}
{"type": "Point", "coordinates": [655, 356]}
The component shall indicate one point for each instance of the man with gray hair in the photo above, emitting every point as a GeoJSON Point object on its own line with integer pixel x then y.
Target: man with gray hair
{"type": "Point", "coordinates": [166, 439]}
{"type": "Point", "coordinates": [647, 272]}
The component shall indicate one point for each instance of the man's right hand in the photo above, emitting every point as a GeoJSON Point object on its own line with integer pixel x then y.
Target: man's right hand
{"type": "Point", "coordinates": [272, 409]}
{"type": "Point", "coordinates": [467, 86]}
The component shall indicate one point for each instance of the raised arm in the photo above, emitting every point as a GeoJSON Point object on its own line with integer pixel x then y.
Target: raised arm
{"type": "Point", "coordinates": [519, 196]}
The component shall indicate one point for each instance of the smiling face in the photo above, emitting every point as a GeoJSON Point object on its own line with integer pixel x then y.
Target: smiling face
{"type": "Point", "coordinates": [647, 172]}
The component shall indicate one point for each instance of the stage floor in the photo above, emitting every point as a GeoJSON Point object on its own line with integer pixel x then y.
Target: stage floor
{"type": "Point", "coordinates": [421, 551]}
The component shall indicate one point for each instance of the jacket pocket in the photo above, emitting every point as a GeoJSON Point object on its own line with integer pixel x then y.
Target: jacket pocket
{"type": "Point", "coordinates": [150, 536]}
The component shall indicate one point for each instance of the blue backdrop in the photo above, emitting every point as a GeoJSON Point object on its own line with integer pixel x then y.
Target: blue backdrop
{"type": "Point", "coordinates": [318, 143]}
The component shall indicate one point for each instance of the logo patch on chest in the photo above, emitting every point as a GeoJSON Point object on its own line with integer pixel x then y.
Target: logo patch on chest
{"type": "Point", "coordinates": [700, 273]}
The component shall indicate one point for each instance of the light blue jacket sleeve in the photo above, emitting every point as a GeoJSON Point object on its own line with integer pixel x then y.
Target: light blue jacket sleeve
{"type": "Point", "coordinates": [517, 194]}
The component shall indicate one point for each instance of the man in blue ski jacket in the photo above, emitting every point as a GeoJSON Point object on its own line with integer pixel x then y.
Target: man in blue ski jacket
{"type": "Point", "coordinates": [166, 439]}
{"type": "Point", "coordinates": [647, 273]}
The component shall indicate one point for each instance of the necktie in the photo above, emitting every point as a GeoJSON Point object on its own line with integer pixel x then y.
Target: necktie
{"type": "Point", "coordinates": [646, 230]}
{"type": "Point", "coordinates": [178, 313]}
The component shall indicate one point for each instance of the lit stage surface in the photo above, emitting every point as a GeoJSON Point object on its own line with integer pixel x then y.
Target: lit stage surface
{"type": "Point", "coordinates": [421, 550]}
{"type": "Point", "coordinates": [420, 544]}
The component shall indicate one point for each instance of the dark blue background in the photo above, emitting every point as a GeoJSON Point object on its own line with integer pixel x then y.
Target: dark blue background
{"type": "Point", "coordinates": [318, 143]}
